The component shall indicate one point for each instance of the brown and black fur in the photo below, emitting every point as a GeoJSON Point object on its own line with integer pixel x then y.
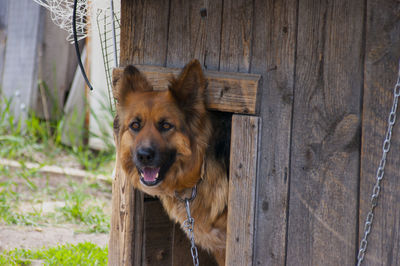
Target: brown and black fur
{"type": "Point", "coordinates": [173, 132]}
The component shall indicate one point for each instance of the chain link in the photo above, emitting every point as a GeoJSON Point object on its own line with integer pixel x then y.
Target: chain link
{"type": "Point", "coordinates": [188, 224]}
{"type": "Point", "coordinates": [380, 172]}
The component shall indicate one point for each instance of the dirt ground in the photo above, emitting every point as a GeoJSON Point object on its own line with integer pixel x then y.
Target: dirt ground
{"type": "Point", "coordinates": [37, 237]}
{"type": "Point", "coordinates": [47, 199]}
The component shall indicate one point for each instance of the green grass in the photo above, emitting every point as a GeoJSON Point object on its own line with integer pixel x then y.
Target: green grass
{"type": "Point", "coordinates": [42, 137]}
{"type": "Point", "coordinates": [82, 206]}
{"type": "Point", "coordinates": [78, 211]}
{"type": "Point", "coordinates": [39, 140]}
{"type": "Point", "coordinates": [81, 254]}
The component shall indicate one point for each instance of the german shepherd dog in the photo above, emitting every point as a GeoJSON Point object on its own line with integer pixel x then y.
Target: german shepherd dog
{"type": "Point", "coordinates": [167, 144]}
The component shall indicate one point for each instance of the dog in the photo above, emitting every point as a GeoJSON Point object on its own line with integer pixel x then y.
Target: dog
{"type": "Point", "coordinates": [167, 143]}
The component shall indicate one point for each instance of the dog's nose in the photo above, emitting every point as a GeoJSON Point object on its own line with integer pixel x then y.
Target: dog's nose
{"type": "Point", "coordinates": [145, 155]}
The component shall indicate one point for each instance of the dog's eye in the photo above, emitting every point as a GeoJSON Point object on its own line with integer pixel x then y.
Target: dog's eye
{"type": "Point", "coordinates": [135, 126]}
{"type": "Point", "coordinates": [165, 126]}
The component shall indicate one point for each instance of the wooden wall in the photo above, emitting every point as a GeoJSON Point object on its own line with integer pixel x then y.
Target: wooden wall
{"type": "Point", "coordinates": [328, 68]}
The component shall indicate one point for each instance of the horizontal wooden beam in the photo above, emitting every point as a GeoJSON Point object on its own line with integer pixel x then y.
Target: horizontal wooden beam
{"type": "Point", "coordinates": [227, 92]}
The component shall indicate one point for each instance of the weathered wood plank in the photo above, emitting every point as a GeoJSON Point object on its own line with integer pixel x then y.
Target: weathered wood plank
{"type": "Point", "coordinates": [144, 32]}
{"type": "Point", "coordinates": [143, 24]}
{"type": "Point", "coordinates": [165, 242]}
{"type": "Point", "coordinates": [235, 56]}
{"type": "Point", "coordinates": [24, 35]}
{"type": "Point", "coordinates": [125, 238]}
{"type": "Point", "coordinates": [236, 40]}
{"type": "Point", "coordinates": [194, 32]}
{"type": "Point", "coordinates": [273, 56]}
{"type": "Point", "coordinates": [228, 92]}
{"type": "Point", "coordinates": [114, 242]}
{"type": "Point", "coordinates": [181, 250]}
{"type": "Point", "coordinates": [325, 146]}
{"type": "Point", "coordinates": [158, 235]}
{"type": "Point", "coordinates": [381, 70]}
{"type": "Point", "coordinates": [242, 189]}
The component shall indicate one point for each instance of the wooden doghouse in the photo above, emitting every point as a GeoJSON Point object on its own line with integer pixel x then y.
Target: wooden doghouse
{"type": "Point", "coordinates": [227, 92]}
{"type": "Point", "coordinates": [304, 157]}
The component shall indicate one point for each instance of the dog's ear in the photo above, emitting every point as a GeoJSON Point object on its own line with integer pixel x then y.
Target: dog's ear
{"type": "Point", "coordinates": [188, 89]}
{"type": "Point", "coordinates": [128, 80]}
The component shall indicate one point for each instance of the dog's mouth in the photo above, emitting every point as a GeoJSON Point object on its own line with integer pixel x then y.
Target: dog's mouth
{"type": "Point", "coordinates": [150, 176]}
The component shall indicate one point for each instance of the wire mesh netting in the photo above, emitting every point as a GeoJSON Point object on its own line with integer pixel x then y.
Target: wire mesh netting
{"type": "Point", "coordinates": [106, 30]}
{"type": "Point", "coordinates": [87, 12]}
{"type": "Point", "coordinates": [61, 15]}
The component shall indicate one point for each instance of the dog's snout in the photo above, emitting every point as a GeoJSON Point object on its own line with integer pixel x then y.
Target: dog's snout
{"type": "Point", "coordinates": [146, 155]}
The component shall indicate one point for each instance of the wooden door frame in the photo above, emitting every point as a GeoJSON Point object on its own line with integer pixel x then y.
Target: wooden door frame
{"type": "Point", "coordinates": [228, 92]}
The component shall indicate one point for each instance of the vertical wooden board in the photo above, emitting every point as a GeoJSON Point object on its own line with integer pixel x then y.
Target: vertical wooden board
{"type": "Point", "coordinates": [125, 232]}
{"type": "Point", "coordinates": [381, 69]}
{"type": "Point", "coordinates": [194, 33]}
{"type": "Point", "coordinates": [236, 35]}
{"type": "Point", "coordinates": [242, 188]}
{"type": "Point", "coordinates": [273, 56]}
{"type": "Point", "coordinates": [158, 234]}
{"type": "Point", "coordinates": [114, 242]}
{"type": "Point", "coordinates": [323, 205]}
{"type": "Point", "coordinates": [144, 32]}
{"type": "Point", "coordinates": [181, 250]}
{"type": "Point", "coordinates": [24, 36]}
{"type": "Point", "coordinates": [136, 201]}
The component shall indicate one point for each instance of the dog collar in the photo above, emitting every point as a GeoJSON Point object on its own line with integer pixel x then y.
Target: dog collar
{"type": "Point", "coordinates": [192, 197]}
{"type": "Point", "coordinates": [194, 189]}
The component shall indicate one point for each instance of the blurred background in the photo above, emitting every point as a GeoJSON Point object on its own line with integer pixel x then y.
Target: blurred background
{"type": "Point", "coordinates": [56, 145]}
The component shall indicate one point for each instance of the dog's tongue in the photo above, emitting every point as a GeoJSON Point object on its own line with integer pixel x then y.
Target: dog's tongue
{"type": "Point", "coordinates": [150, 174]}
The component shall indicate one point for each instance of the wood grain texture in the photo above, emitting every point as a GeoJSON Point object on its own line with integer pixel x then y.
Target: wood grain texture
{"type": "Point", "coordinates": [381, 70]}
{"type": "Point", "coordinates": [181, 250]}
{"type": "Point", "coordinates": [194, 34]}
{"type": "Point", "coordinates": [236, 36]}
{"type": "Point", "coordinates": [144, 32]}
{"type": "Point", "coordinates": [158, 234]}
{"type": "Point", "coordinates": [24, 36]}
{"type": "Point", "coordinates": [126, 227]}
{"type": "Point", "coordinates": [228, 92]}
{"type": "Point", "coordinates": [242, 189]}
{"type": "Point", "coordinates": [273, 56]}
{"type": "Point", "coordinates": [325, 146]}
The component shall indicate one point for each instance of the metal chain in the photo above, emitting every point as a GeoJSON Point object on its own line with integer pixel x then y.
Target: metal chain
{"type": "Point", "coordinates": [188, 224]}
{"type": "Point", "coordinates": [380, 173]}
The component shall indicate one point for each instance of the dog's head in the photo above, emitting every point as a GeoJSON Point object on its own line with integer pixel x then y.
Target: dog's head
{"type": "Point", "coordinates": [161, 136]}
